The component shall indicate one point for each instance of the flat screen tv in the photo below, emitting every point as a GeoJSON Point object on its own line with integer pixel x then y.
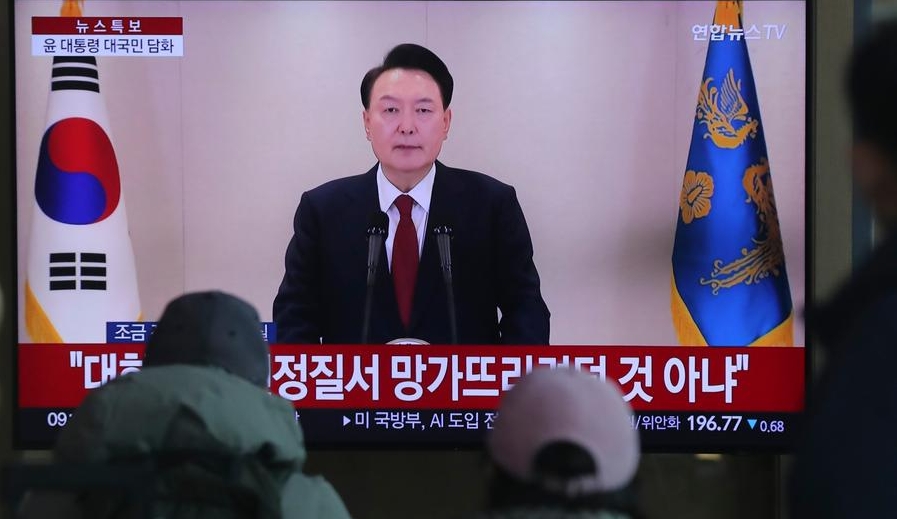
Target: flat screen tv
{"type": "Point", "coordinates": [161, 147]}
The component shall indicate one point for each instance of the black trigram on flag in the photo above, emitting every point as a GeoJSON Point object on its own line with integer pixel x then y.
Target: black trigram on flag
{"type": "Point", "coordinates": [74, 271]}
{"type": "Point", "coordinates": [75, 73]}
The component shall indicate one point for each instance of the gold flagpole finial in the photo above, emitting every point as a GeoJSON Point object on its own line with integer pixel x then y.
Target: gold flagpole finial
{"type": "Point", "coordinates": [728, 13]}
{"type": "Point", "coordinates": [71, 8]}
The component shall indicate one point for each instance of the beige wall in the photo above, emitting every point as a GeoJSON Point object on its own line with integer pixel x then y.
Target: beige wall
{"type": "Point", "coordinates": [585, 107]}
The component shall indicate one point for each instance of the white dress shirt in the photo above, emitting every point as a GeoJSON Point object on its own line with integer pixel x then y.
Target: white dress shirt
{"type": "Point", "coordinates": [420, 210]}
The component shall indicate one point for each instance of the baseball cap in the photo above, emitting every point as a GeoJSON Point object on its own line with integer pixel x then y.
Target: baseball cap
{"type": "Point", "coordinates": [566, 405]}
{"type": "Point", "coordinates": [211, 329]}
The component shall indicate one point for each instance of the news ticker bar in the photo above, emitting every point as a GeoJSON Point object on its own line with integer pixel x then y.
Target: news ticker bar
{"type": "Point", "coordinates": [39, 428]}
{"type": "Point", "coordinates": [686, 379]}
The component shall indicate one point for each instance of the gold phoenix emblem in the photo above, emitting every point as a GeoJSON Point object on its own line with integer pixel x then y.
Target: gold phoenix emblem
{"type": "Point", "coordinates": [694, 200]}
{"type": "Point", "coordinates": [724, 113]}
{"type": "Point", "coordinates": [767, 256]}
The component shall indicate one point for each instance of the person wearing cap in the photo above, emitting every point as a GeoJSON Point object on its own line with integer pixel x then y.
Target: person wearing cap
{"type": "Point", "coordinates": [563, 446]}
{"type": "Point", "coordinates": [846, 465]}
{"type": "Point", "coordinates": [406, 118]}
{"type": "Point", "coordinates": [200, 412]}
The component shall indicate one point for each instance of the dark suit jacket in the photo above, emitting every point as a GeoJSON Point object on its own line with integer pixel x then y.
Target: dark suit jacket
{"type": "Point", "coordinates": [846, 458]}
{"type": "Point", "coordinates": [322, 293]}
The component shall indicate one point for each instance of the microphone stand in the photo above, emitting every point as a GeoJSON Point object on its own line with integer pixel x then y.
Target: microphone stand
{"type": "Point", "coordinates": [443, 240]}
{"type": "Point", "coordinates": [376, 234]}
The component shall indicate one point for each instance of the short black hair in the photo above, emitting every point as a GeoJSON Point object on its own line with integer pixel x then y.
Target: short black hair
{"type": "Point", "coordinates": [872, 88]}
{"type": "Point", "coordinates": [412, 57]}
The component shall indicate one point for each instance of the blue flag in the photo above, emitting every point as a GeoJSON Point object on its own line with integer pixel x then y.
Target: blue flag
{"type": "Point", "coordinates": [729, 285]}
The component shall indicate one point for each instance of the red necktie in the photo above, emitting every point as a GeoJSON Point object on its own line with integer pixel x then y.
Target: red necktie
{"type": "Point", "coordinates": [404, 258]}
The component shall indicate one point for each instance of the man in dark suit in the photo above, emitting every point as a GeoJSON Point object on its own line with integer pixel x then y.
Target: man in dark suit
{"type": "Point", "coordinates": [322, 295]}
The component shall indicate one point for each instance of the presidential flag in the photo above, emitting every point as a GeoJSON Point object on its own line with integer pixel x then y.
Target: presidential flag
{"type": "Point", "coordinates": [80, 267]}
{"type": "Point", "coordinates": [729, 283]}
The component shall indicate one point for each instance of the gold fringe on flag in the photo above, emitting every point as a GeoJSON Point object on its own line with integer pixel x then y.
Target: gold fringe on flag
{"type": "Point", "coordinates": [689, 335]}
{"type": "Point", "coordinates": [38, 324]}
{"type": "Point", "coordinates": [781, 335]}
{"type": "Point", "coordinates": [686, 330]}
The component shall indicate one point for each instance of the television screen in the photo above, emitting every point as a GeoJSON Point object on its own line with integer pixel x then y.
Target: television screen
{"type": "Point", "coordinates": [162, 147]}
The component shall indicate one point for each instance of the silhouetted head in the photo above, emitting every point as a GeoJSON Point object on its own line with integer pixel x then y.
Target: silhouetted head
{"type": "Point", "coordinates": [871, 84]}
{"type": "Point", "coordinates": [211, 329]}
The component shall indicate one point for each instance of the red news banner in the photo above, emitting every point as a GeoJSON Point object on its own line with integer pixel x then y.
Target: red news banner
{"type": "Point", "coordinates": [454, 377]}
{"type": "Point", "coordinates": [157, 25]}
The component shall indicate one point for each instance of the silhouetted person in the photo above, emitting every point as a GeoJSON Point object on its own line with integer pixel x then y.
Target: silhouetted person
{"type": "Point", "coordinates": [563, 446]}
{"type": "Point", "coordinates": [847, 464]}
{"type": "Point", "coordinates": [198, 413]}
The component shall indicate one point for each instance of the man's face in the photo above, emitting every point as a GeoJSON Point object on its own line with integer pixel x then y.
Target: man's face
{"type": "Point", "coordinates": [406, 122]}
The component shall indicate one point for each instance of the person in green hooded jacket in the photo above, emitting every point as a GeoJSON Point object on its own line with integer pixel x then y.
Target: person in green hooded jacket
{"type": "Point", "coordinates": [198, 413]}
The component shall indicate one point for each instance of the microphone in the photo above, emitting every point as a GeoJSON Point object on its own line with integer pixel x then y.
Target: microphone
{"type": "Point", "coordinates": [376, 233]}
{"type": "Point", "coordinates": [443, 235]}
